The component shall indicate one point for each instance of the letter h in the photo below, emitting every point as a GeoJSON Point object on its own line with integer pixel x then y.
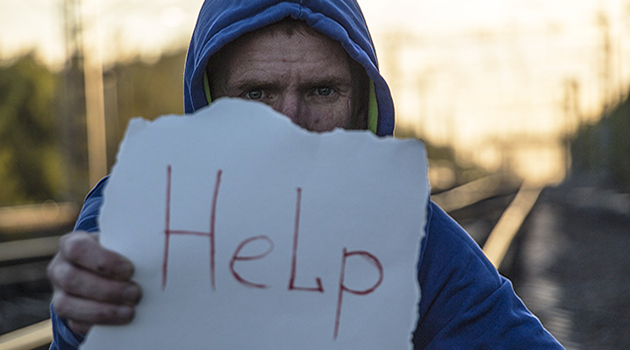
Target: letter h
{"type": "Point", "coordinates": [168, 231]}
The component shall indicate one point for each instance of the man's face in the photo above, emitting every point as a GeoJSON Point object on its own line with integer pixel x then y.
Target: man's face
{"type": "Point", "coordinates": [302, 74]}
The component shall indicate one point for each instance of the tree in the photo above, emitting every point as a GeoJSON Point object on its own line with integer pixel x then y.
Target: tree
{"type": "Point", "coordinates": [30, 163]}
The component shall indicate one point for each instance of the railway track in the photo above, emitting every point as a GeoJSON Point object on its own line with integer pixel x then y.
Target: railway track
{"type": "Point", "coordinates": [28, 239]}
{"type": "Point", "coordinates": [25, 292]}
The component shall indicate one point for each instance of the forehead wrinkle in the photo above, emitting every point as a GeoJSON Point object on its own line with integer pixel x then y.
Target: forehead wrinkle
{"type": "Point", "coordinates": [255, 76]}
{"type": "Point", "coordinates": [274, 80]}
{"type": "Point", "coordinates": [269, 59]}
{"type": "Point", "coordinates": [279, 73]}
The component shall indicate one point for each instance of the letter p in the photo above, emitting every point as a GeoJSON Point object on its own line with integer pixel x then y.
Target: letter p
{"type": "Point", "coordinates": [343, 288]}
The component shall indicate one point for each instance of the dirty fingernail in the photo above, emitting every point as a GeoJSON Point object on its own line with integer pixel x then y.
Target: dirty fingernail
{"type": "Point", "coordinates": [124, 270]}
{"type": "Point", "coordinates": [126, 313]}
{"type": "Point", "coordinates": [132, 294]}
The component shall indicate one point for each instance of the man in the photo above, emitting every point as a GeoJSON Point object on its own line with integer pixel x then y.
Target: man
{"type": "Point", "coordinates": [313, 61]}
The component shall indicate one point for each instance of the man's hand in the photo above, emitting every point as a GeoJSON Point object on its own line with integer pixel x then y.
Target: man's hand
{"type": "Point", "coordinates": [92, 285]}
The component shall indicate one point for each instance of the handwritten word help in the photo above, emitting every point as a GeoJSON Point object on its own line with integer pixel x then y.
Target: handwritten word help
{"type": "Point", "coordinates": [237, 257]}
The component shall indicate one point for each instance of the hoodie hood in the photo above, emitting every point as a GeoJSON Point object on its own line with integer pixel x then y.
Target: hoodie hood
{"type": "Point", "coordinates": [222, 21]}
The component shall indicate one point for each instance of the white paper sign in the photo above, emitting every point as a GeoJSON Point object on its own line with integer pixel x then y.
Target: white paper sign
{"type": "Point", "coordinates": [248, 232]}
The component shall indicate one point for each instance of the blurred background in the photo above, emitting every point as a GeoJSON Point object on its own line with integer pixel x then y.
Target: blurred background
{"type": "Point", "coordinates": [523, 106]}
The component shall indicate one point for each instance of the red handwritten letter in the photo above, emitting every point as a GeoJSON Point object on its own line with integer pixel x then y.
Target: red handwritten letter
{"type": "Point", "coordinates": [168, 231]}
{"type": "Point", "coordinates": [236, 258]}
{"type": "Point", "coordinates": [292, 286]}
{"type": "Point", "coordinates": [342, 288]}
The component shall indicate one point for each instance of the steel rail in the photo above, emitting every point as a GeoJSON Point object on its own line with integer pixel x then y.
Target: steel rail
{"type": "Point", "coordinates": [29, 248]}
{"type": "Point", "coordinates": [510, 222]}
{"type": "Point", "coordinates": [37, 216]}
{"type": "Point", "coordinates": [30, 337]}
{"type": "Point", "coordinates": [470, 193]}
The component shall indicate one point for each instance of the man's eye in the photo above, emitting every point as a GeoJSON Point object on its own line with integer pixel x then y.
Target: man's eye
{"type": "Point", "coordinates": [254, 94]}
{"type": "Point", "coordinates": [324, 91]}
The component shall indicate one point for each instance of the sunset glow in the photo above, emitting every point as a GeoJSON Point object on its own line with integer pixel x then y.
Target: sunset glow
{"type": "Point", "coordinates": [501, 81]}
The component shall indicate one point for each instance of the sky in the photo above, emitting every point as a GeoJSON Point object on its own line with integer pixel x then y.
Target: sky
{"type": "Point", "coordinates": [474, 74]}
{"type": "Point", "coordinates": [125, 27]}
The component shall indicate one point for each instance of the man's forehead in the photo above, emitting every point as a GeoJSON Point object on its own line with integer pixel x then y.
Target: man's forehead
{"type": "Point", "coordinates": [287, 27]}
{"type": "Point", "coordinates": [266, 58]}
{"type": "Point", "coordinates": [269, 42]}
{"type": "Point", "coordinates": [290, 27]}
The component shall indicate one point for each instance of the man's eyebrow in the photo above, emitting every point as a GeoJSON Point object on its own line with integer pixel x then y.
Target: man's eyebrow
{"type": "Point", "coordinates": [328, 81]}
{"type": "Point", "coordinates": [247, 83]}
{"type": "Point", "coordinates": [253, 79]}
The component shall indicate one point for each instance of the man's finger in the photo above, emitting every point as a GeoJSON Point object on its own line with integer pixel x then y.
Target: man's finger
{"type": "Point", "coordinates": [84, 283]}
{"type": "Point", "coordinates": [79, 327]}
{"type": "Point", "coordinates": [82, 249]}
{"type": "Point", "coordinates": [91, 312]}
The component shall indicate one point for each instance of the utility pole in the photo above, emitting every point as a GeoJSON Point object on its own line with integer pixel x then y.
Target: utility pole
{"type": "Point", "coordinates": [94, 99]}
{"type": "Point", "coordinates": [606, 86]}
{"type": "Point", "coordinates": [72, 109]}
{"type": "Point", "coordinates": [395, 42]}
{"type": "Point", "coordinates": [606, 66]}
{"type": "Point", "coordinates": [571, 119]}
{"type": "Point", "coordinates": [423, 108]}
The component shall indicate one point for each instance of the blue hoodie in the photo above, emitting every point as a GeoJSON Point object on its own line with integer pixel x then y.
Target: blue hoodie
{"type": "Point", "coordinates": [222, 21]}
{"type": "Point", "coordinates": [465, 303]}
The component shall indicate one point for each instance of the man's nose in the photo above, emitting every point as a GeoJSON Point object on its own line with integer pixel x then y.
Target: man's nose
{"type": "Point", "coordinates": [291, 105]}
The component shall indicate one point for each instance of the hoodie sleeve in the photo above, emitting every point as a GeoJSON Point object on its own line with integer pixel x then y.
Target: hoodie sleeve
{"type": "Point", "coordinates": [465, 303]}
{"type": "Point", "coordinates": [63, 337]}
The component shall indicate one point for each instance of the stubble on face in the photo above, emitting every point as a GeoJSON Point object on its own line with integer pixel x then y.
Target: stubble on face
{"type": "Point", "coordinates": [298, 72]}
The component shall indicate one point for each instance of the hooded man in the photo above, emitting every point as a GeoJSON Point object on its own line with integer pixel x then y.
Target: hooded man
{"type": "Point", "coordinates": [314, 61]}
